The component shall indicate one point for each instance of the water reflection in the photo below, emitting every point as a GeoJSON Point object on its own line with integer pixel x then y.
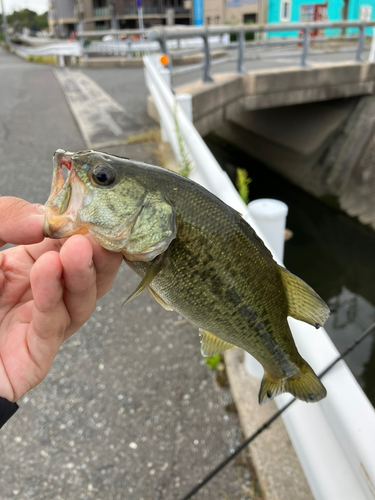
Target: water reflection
{"type": "Point", "coordinates": [351, 315]}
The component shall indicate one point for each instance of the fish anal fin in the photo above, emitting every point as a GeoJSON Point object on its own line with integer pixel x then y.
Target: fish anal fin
{"type": "Point", "coordinates": [211, 345]}
{"type": "Point", "coordinates": [306, 387]}
{"type": "Point", "coordinates": [155, 268]}
{"type": "Point", "coordinates": [159, 299]}
{"type": "Point", "coordinates": [303, 302]}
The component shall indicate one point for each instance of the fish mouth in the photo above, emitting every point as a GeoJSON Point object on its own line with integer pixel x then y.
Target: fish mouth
{"type": "Point", "coordinates": [65, 200]}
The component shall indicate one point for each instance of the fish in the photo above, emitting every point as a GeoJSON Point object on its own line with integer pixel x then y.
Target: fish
{"type": "Point", "coordinates": [196, 255]}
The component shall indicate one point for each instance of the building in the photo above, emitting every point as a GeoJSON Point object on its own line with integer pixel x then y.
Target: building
{"type": "Point", "coordinates": [62, 19]}
{"type": "Point", "coordinates": [231, 11]}
{"type": "Point", "coordinates": [291, 11]}
{"type": "Point", "coordinates": [97, 13]}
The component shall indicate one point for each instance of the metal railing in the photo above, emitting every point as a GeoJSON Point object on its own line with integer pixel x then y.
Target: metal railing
{"type": "Point", "coordinates": [334, 439]}
{"type": "Point", "coordinates": [162, 35]}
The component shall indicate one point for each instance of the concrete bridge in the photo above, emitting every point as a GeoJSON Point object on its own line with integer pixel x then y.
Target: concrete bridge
{"type": "Point", "coordinates": [314, 125]}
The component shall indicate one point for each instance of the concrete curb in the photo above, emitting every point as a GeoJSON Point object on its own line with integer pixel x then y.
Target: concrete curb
{"type": "Point", "coordinates": [276, 463]}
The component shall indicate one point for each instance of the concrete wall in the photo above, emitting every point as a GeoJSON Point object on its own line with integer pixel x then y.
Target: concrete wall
{"type": "Point", "coordinates": [231, 94]}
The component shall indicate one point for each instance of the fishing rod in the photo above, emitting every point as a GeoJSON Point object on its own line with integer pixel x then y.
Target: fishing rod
{"type": "Point", "coordinates": [274, 417]}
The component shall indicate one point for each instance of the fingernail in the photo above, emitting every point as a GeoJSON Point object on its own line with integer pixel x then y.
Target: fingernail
{"type": "Point", "coordinates": [41, 209]}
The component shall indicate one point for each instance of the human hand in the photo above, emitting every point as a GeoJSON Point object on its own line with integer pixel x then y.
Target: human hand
{"type": "Point", "coordinates": [48, 290]}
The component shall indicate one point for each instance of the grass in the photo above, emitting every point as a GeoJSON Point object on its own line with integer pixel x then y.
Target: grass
{"type": "Point", "coordinates": [42, 59]}
{"type": "Point", "coordinates": [242, 184]}
{"type": "Point", "coordinates": [150, 135]}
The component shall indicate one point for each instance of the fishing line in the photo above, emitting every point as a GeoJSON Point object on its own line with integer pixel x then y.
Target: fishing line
{"type": "Point", "coordinates": [276, 415]}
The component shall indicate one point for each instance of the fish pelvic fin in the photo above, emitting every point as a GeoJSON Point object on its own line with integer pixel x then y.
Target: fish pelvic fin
{"type": "Point", "coordinates": [211, 345]}
{"type": "Point", "coordinates": [155, 268]}
{"type": "Point", "coordinates": [306, 386]}
{"type": "Point", "coordinates": [303, 302]}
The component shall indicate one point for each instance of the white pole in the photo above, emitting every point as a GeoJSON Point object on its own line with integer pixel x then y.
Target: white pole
{"type": "Point", "coordinates": [140, 18]}
{"type": "Point", "coordinates": [166, 75]}
{"type": "Point", "coordinates": [270, 216]}
{"type": "Point", "coordinates": [186, 103]}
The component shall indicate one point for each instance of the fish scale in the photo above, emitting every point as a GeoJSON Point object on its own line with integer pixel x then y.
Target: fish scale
{"type": "Point", "coordinates": [198, 256]}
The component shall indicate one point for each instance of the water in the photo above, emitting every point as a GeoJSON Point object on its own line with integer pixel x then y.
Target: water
{"type": "Point", "coordinates": [330, 251]}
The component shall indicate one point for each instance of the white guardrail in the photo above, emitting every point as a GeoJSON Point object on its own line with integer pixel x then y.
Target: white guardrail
{"type": "Point", "coordinates": [59, 50]}
{"type": "Point", "coordinates": [335, 438]}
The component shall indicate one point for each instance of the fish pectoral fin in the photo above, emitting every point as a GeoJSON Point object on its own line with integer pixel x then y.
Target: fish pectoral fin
{"type": "Point", "coordinates": [153, 229]}
{"type": "Point", "coordinates": [155, 268]}
{"type": "Point", "coordinates": [211, 345]}
{"type": "Point", "coordinates": [159, 299]}
{"type": "Point", "coordinates": [306, 386]}
{"type": "Point", "coordinates": [303, 302]}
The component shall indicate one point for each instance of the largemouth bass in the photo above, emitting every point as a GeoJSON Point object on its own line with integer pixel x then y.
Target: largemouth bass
{"type": "Point", "coordinates": [196, 255]}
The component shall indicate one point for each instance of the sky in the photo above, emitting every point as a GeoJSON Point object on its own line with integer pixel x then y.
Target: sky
{"type": "Point", "coordinates": [38, 6]}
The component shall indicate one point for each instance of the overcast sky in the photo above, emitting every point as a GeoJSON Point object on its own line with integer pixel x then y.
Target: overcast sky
{"type": "Point", "coordinates": [38, 6]}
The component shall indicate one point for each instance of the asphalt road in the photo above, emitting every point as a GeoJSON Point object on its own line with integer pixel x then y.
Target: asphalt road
{"type": "Point", "coordinates": [128, 410]}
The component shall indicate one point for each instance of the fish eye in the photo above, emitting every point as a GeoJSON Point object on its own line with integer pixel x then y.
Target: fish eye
{"type": "Point", "coordinates": [104, 175]}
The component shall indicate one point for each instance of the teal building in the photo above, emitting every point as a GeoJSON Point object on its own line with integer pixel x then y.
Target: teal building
{"type": "Point", "coordinates": [292, 11]}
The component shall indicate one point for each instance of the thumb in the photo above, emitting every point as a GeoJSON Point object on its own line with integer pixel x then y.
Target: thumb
{"type": "Point", "coordinates": [21, 223]}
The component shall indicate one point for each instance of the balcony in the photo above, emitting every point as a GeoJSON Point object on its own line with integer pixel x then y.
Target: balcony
{"type": "Point", "coordinates": [101, 12]}
{"type": "Point", "coordinates": [133, 11]}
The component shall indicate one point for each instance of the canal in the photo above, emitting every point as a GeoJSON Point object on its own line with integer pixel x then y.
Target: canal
{"type": "Point", "coordinates": [330, 251]}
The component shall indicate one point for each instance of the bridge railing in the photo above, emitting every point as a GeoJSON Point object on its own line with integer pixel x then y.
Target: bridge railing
{"type": "Point", "coordinates": [162, 35]}
{"type": "Point", "coordinates": [335, 438]}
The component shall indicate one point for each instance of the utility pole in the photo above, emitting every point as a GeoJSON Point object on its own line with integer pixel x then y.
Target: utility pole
{"type": "Point", "coordinates": [112, 13]}
{"type": "Point", "coordinates": [5, 24]}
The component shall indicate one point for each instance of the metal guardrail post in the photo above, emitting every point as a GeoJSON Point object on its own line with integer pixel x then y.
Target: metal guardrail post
{"type": "Point", "coordinates": [371, 57]}
{"type": "Point", "coordinates": [207, 78]}
{"type": "Point", "coordinates": [241, 50]}
{"type": "Point", "coordinates": [164, 50]}
{"type": "Point", "coordinates": [305, 46]}
{"type": "Point", "coordinates": [361, 43]}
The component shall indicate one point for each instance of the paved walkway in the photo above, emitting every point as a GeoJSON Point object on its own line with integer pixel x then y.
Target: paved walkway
{"type": "Point", "coordinates": [128, 411]}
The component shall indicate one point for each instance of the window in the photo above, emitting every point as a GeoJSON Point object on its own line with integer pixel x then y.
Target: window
{"type": "Point", "coordinates": [365, 12]}
{"type": "Point", "coordinates": [285, 10]}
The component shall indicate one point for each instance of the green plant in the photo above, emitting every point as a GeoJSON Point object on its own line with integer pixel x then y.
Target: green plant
{"type": "Point", "coordinates": [42, 59]}
{"type": "Point", "coordinates": [149, 135]}
{"type": "Point", "coordinates": [242, 184]}
{"type": "Point", "coordinates": [184, 163]}
{"type": "Point", "coordinates": [213, 362]}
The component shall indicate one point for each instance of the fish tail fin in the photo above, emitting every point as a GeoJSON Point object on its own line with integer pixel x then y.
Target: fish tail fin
{"type": "Point", "coordinates": [306, 386]}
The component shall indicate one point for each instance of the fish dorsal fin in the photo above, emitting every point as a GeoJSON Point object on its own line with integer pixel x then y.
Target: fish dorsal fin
{"type": "Point", "coordinates": [303, 302]}
{"type": "Point", "coordinates": [153, 230]}
{"type": "Point", "coordinates": [156, 266]}
{"type": "Point", "coordinates": [210, 344]}
{"type": "Point", "coordinates": [159, 299]}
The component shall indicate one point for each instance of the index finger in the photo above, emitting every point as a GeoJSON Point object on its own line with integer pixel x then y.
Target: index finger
{"type": "Point", "coordinates": [21, 223]}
